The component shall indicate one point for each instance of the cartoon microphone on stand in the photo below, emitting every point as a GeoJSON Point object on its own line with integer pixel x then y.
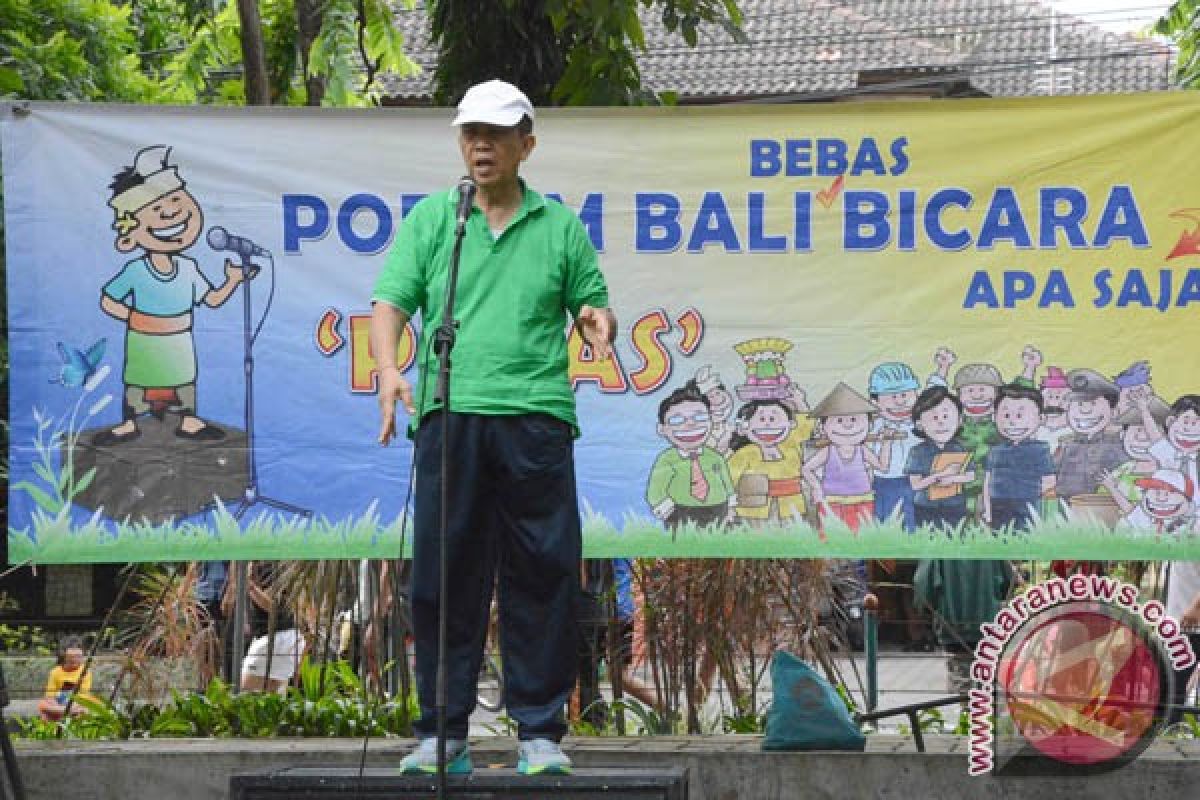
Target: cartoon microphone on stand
{"type": "Point", "coordinates": [220, 239]}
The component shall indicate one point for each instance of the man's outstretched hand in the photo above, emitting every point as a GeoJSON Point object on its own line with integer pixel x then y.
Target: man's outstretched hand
{"type": "Point", "coordinates": [596, 326]}
{"type": "Point", "coordinates": [392, 387]}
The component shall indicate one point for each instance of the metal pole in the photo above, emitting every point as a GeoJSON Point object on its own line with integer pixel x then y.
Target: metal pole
{"type": "Point", "coordinates": [871, 646]}
{"type": "Point", "coordinates": [238, 623]}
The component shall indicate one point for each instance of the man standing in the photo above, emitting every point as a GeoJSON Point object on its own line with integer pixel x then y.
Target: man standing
{"type": "Point", "coordinates": [526, 263]}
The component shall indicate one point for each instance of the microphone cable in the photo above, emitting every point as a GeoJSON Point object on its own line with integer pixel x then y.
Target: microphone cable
{"type": "Point", "coordinates": [270, 300]}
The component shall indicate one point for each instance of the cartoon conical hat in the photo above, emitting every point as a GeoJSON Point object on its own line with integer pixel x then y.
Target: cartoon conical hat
{"type": "Point", "coordinates": [844, 400]}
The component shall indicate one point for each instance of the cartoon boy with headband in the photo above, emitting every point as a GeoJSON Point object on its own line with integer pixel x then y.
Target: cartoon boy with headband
{"type": "Point", "coordinates": [155, 293]}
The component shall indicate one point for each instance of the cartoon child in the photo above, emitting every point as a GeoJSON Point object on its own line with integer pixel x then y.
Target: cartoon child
{"type": "Point", "coordinates": [155, 293]}
{"type": "Point", "coordinates": [720, 403]}
{"type": "Point", "coordinates": [1175, 444]}
{"type": "Point", "coordinates": [1091, 448]}
{"type": "Point", "coordinates": [1166, 504]}
{"type": "Point", "coordinates": [1018, 472]}
{"type": "Point", "coordinates": [939, 465]}
{"type": "Point", "coordinates": [689, 481]}
{"type": "Point", "coordinates": [839, 474]}
{"type": "Point", "coordinates": [893, 388]}
{"type": "Point", "coordinates": [766, 464]}
{"type": "Point", "coordinates": [1136, 441]}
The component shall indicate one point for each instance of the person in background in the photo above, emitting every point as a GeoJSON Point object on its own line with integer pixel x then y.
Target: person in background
{"type": "Point", "coordinates": [211, 579]}
{"type": "Point", "coordinates": [274, 655]}
{"type": "Point", "coordinates": [67, 676]}
{"type": "Point", "coordinates": [961, 594]}
{"type": "Point", "coordinates": [1183, 604]}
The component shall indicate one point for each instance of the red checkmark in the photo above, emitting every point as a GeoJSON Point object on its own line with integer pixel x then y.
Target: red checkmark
{"type": "Point", "coordinates": [827, 196]}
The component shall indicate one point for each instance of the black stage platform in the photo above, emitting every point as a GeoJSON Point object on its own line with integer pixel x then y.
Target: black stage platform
{"type": "Point", "coordinates": [341, 783]}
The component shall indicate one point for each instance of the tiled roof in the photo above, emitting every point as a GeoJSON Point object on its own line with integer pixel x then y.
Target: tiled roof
{"type": "Point", "coordinates": [822, 48]}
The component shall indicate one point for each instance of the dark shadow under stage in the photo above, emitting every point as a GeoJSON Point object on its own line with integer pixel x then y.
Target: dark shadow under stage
{"type": "Point", "coordinates": [341, 783]}
{"type": "Point", "coordinates": [158, 476]}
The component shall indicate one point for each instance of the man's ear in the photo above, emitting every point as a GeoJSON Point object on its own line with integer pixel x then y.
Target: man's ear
{"type": "Point", "coordinates": [661, 429]}
{"type": "Point", "coordinates": [125, 243]}
{"type": "Point", "coordinates": [527, 146]}
{"type": "Point", "coordinates": [1169, 422]}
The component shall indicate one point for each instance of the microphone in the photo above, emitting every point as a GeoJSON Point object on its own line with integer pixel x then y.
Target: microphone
{"type": "Point", "coordinates": [221, 239]}
{"type": "Point", "coordinates": [466, 200]}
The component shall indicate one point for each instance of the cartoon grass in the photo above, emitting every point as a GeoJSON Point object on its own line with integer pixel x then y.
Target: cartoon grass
{"type": "Point", "coordinates": [53, 538]}
{"type": "Point", "coordinates": [60, 485]}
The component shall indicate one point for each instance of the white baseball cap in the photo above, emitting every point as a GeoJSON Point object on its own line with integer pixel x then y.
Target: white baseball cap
{"type": "Point", "coordinates": [494, 103]}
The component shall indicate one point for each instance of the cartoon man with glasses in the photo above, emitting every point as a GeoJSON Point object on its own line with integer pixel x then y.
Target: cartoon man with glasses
{"type": "Point", "coordinates": [689, 482]}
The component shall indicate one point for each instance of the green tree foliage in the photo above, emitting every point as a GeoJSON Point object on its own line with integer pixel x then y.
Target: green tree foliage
{"type": "Point", "coordinates": [1182, 24]}
{"type": "Point", "coordinates": [356, 42]}
{"type": "Point", "coordinates": [74, 50]}
{"type": "Point", "coordinates": [570, 52]}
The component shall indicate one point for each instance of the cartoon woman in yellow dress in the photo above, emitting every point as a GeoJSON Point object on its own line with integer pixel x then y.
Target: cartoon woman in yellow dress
{"type": "Point", "coordinates": [767, 463]}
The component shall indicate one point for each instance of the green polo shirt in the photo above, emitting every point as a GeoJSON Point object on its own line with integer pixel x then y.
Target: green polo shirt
{"type": "Point", "coordinates": [514, 294]}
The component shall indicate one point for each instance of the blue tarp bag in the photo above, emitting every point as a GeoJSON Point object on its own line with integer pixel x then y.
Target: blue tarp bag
{"type": "Point", "coordinates": [807, 713]}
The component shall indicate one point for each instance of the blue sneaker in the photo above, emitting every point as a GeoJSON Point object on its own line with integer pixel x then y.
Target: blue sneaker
{"type": "Point", "coordinates": [542, 757]}
{"type": "Point", "coordinates": [423, 758]}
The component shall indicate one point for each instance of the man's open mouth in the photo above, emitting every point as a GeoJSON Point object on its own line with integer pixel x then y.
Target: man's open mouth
{"type": "Point", "coordinates": [1187, 443]}
{"type": "Point", "coordinates": [978, 409]}
{"type": "Point", "coordinates": [1016, 433]}
{"type": "Point", "coordinates": [691, 437]}
{"type": "Point", "coordinates": [1087, 423]}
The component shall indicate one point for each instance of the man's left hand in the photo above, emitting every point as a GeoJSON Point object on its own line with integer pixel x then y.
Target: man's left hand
{"type": "Point", "coordinates": [596, 326]}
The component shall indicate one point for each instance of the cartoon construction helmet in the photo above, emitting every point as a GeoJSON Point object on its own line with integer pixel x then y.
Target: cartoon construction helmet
{"type": "Point", "coordinates": [892, 378]}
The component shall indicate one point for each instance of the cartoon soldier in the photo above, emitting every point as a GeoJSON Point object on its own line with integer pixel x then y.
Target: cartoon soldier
{"type": "Point", "coordinates": [154, 294]}
{"type": "Point", "coordinates": [976, 386]}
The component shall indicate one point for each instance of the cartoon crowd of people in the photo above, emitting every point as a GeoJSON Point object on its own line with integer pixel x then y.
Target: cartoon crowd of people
{"type": "Point", "coordinates": [963, 447]}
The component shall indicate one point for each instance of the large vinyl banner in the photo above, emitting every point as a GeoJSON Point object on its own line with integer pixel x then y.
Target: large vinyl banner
{"type": "Point", "coordinates": [962, 328]}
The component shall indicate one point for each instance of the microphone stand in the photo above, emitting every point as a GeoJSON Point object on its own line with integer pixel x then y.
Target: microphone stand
{"type": "Point", "coordinates": [443, 343]}
{"type": "Point", "coordinates": [251, 495]}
